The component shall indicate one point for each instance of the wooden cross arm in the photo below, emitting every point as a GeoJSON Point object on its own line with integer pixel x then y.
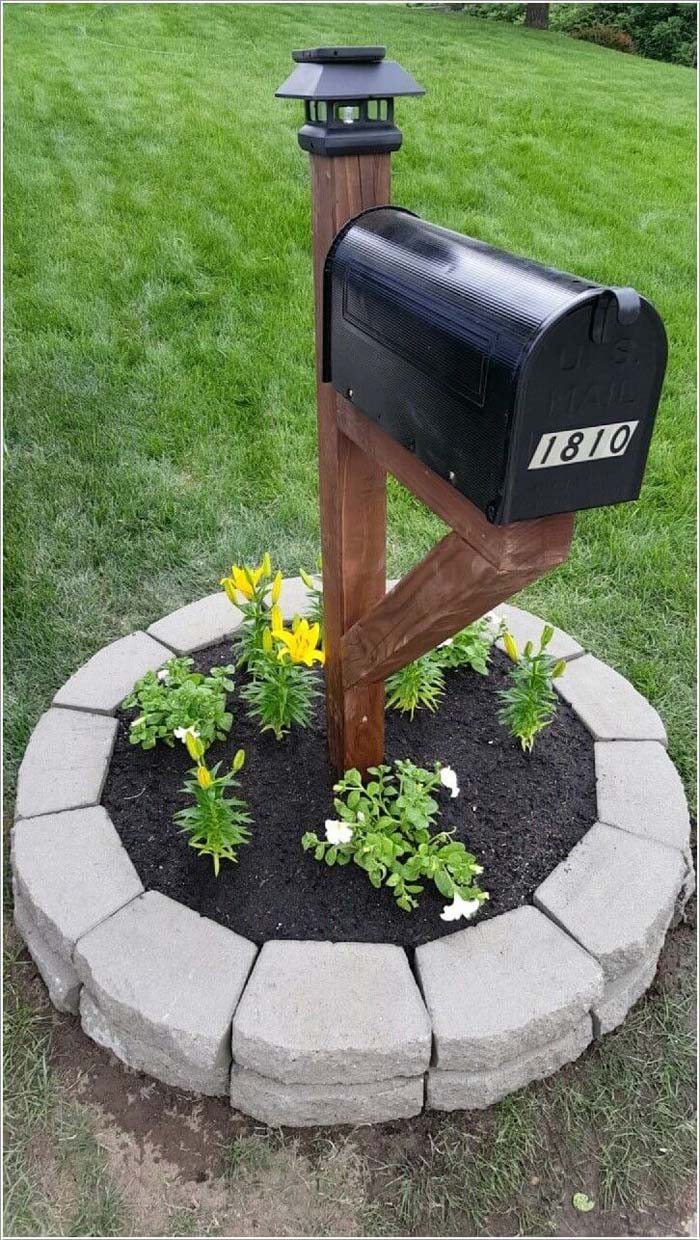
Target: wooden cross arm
{"type": "Point", "coordinates": [453, 586]}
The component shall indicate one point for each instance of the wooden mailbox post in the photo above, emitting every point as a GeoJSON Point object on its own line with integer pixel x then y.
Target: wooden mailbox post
{"type": "Point", "coordinates": [369, 633]}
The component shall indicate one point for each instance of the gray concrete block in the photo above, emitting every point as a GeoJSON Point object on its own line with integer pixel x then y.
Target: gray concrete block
{"type": "Point", "coordinates": [71, 871]}
{"type": "Point", "coordinates": [316, 1013]}
{"type": "Point", "coordinates": [640, 790]}
{"type": "Point", "coordinates": [527, 627]}
{"type": "Point", "coordinates": [158, 1059]}
{"type": "Point", "coordinates": [294, 598]}
{"type": "Point", "coordinates": [104, 681]}
{"type": "Point", "coordinates": [59, 976]}
{"type": "Point", "coordinates": [615, 893]}
{"type": "Point", "coordinates": [301, 1106]}
{"type": "Point", "coordinates": [451, 1091]}
{"type": "Point", "coordinates": [197, 625]}
{"type": "Point", "coordinates": [622, 994]}
{"type": "Point", "coordinates": [503, 988]}
{"type": "Point", "coordinates": [65, 763]}
{"type": "Point", "coordinates": [607, 704]}
{"type": "Point", "coordinates": [166, 982]}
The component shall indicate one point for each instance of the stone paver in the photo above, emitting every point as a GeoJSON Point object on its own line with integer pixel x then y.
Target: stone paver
{"type": "Point", "coordinates": [526, 627]}
{"type": "Point", "coordinates": [160, 987]}
{"type": "Point", "coordinates": [450, 1091]}
{"type": "Point", "coordinates": [499, 990]}
{"type": "Point", "coordinates": [71, 871]}
{"type": "Point", "coordinates": [60, 978]}
{"type": "Point", "coordinates": [317, 1013]}
{"type": "Point", "coordinates": [104, 681]}
{"type": "Point", "coordinates": [295, 599]}
{"type": "Point", "coordinates": [607, 704]}
{"type": "Point", "coordinates": [640, 790]}
{"type": "Point", "coordinates": [620, 995]}
{"type": "Point", "coordinates": [197, 625]}
{"type": "Point", "coordinates": [65, 763]}
{"type": "Point", "coordinates": [300, 1106]}
{"type": "Point", "coordinates": [615, 893]}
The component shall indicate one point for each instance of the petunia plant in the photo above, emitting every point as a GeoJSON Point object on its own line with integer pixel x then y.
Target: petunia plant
{"type": "Point", "coordinates": [282, 691]}
{"type": "Point", "coordinates": [529, 702]}
{"type": "Point", "coordinates": [175, 698]}
{"type": "Point", "coordinates": [216, 824]}
{"type": "Point", "coordinates": [386, 827]}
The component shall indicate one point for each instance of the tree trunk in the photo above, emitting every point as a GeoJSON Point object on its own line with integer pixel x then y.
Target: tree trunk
{"type": "Point", "coordinates": [537, 16]}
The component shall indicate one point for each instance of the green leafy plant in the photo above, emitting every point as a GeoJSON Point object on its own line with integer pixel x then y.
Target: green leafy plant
{"type": "Point", "coordinates": [386, 828]}
{"type": "Point", "coordinates": [418, 685]}
{"type": "Point", "coordinates": [471, 647]}
{"type": "Point", "coordinates": [176, 698]}
{"type": "Point", "coordinates": [216, 824]}
{"type": "Point", "coordinates": [282, 691]}
{"type": "Point", "coordinates": [530, 703]}
{"type": "Point", "coordinates": [247, 589]}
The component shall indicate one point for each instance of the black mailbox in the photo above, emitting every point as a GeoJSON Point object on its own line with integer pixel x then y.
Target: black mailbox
{"type": "Point", "coordinates": [532, 391]}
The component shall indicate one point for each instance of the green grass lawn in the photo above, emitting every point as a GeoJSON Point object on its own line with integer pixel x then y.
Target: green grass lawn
{"type": "Point", "coordinates": [159, 381]}
{"type": "Point", "coordinates": [160, 423]}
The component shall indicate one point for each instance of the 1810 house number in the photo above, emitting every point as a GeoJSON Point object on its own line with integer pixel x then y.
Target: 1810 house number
{"type": "Point", "coordinates": [587, 443]}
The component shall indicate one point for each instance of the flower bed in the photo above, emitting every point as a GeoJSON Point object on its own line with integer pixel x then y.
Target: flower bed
{"type": "Point", "coordinates": [308, 1031]}
{"type": "Point", "coordinates": [519, 814]}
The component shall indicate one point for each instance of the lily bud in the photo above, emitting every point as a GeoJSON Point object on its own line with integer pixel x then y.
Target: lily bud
{"type": "Point", "coordinates": [266, 565]}
{"type": "Point", "coordinates": [308, 582]}
{"type": "Point", "coordinates": [267, 641]}
{"type": "Point", "coordinates": [276, 589]}
{"type": "Point", "coordinates": [229, 589]}
{"type": "Point", "coordinates": [547, 635]}
{"type": "Point", "coordinates": [195, 747]}
{"type": "Point", "coordinates": [276, 621]}
{"type": "Point", "coordinates": [238, 761]}
{"type": "Point", "coordinates": [559, 669]}
{"type": "Point", "coordinates": [204, 777]}
{"type": "Point", "coordinates": [511, 647]}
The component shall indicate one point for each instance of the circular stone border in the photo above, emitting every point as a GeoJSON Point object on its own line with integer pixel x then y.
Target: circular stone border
{"type": "Point", "coordinates": [303, 1033]}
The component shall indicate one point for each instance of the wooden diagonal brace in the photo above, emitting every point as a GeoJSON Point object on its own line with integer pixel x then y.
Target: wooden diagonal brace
{"type": "Point", "coordinates": [452, 586]}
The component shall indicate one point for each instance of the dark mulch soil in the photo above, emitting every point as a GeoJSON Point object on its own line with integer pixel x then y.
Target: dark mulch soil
{"type": "Point", "coordinates": [520, 815]}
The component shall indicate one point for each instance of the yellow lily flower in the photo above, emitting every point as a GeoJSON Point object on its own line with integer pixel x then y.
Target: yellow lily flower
{"type": "Point", "coordinates": [302, 643]}
{"type": "Point", "coordinates": [246, 579]}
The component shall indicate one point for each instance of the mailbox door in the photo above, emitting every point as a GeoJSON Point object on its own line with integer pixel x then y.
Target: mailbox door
{"type": "Point", "coordinates": [584, 414]}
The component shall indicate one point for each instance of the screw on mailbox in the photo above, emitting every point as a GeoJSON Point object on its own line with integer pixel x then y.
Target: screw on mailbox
{"type": "Point", "coordinates": [524, 394]}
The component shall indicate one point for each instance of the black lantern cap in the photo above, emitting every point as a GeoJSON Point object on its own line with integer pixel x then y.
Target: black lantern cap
{"type": "Point", "coordinates": [348, 95]}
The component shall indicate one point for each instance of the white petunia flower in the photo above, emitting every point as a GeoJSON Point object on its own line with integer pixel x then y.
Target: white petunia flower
{"type": "Point", "coordinates": [163, 673]}
{"type": "Point", "coordinates": [459, 908]}
{"type": "Point", "coordinates": [477, 869]}
{"type": "Point", "coordinates": [360, 816]}
{"type": "Point", "coordinates": [448, 779]}
{"type": "Point", "coordinates": [181, 734]}
{"type": "Point", "coordinates": [338, 832]}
